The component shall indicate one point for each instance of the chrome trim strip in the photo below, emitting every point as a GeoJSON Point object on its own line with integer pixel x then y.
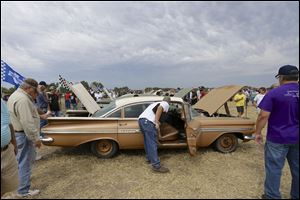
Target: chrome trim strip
{"type": "Point", "coordinates": [83, 118]}
{"type": "Point", "coordinates": [80, 132]}
{"type": "Point", "coordinates": [129, 131]}
{"type": "Point", "coordinates": [224, 129]}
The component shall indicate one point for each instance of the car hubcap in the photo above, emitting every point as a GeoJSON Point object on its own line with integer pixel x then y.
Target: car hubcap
{"type": "Point", "coordinates": [227, 142]}
{"type": "Point", "coordinates": [104, 147]}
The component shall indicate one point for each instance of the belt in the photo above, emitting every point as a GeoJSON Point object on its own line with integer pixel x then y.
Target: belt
{"type": "Point", "coordinates": [4, 148]}
{"type": "Point", "coordinates": [148, 120]}
{"type": "Point", "coordinates": [19, 131]}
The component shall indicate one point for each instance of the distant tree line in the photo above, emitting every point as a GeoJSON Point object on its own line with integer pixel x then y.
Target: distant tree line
{"type": "Point", "coordinates": [99, 86]}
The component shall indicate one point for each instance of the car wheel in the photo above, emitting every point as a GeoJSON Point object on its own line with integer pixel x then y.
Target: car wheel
{"type": "Point", "coordinates": [104, 148]}
{"type": "Point", "coordinates": [226, 143]}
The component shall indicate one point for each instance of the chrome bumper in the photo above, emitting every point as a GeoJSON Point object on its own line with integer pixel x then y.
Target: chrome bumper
{"type": "Point", "coordinates": [47, 139]}
{"type": "Point", "coordinates": [249, 137]}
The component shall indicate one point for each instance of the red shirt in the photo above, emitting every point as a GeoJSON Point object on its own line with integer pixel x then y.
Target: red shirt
{"type": "Point", "coordinates": [68, 95]}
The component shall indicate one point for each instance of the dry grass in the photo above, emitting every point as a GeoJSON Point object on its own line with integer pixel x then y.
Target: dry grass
{"type": "Point", "coordinates": [76, 173]}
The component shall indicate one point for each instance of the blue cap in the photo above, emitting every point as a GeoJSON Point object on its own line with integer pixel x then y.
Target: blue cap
{"type": "Point", "coordinates": [287, 70]}
{"type": "Point", "coordinates": [43, 83]}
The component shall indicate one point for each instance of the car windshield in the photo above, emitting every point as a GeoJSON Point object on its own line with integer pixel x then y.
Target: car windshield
{"type": "Point", "coordinates": [105, 109]}
{"type": "Point", "coordinates": [194, 113]}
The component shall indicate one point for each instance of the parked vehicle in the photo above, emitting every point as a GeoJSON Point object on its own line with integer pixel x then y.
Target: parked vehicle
{"type": "Point", "coordinates": [116, 127]}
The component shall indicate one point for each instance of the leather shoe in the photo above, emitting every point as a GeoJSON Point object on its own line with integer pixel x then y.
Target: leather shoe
{"type": "Point", "coordinates": [160, 169]}
{"type": "Point", "coordinates": [263, 196]}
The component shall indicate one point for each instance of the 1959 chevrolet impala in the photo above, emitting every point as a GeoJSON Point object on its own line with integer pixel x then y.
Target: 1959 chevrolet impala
{"type": "Point", "coordinates": [116, 127]}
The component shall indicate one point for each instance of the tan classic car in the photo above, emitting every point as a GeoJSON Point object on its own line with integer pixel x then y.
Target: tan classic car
{"type": "Point", "coordinates": [116, 127]}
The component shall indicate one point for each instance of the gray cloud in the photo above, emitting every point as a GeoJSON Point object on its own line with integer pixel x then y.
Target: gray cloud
{"type": "Point", "coordinates": [139, 44]}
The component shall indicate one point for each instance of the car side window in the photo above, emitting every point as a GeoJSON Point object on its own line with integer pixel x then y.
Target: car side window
{"type": "Point", "coordinates": [116, 114]}
{"type": "Point", "coordinates": [134, 111]}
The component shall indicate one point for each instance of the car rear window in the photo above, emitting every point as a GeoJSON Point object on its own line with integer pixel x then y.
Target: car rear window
{"type": "Point", "coordinates": [105, 109]}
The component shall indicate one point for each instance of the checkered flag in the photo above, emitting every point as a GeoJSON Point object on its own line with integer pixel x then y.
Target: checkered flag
{"type": "Point", "coordinates": [3, 71]}
{"type": "Point", "coordinates": [64, 83]}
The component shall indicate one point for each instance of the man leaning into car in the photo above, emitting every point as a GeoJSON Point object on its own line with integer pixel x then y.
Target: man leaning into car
{"type": "Point", "coordinates": [149, 125]}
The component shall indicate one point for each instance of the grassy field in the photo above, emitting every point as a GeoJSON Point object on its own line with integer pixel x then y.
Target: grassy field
{"type": "Point", "coordinates": [76, 173]}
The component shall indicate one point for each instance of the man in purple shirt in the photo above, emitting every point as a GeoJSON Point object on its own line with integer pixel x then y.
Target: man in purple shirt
{"type": "Point", "coordinates": [280, 108]}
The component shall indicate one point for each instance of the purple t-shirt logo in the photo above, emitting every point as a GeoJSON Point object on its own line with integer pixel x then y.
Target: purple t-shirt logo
{"type": "Point", "coordinates": [283, 104]}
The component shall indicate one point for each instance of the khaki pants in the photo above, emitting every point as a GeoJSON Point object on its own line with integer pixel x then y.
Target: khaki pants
{"type": "Point", "coordinates": [9, 170]}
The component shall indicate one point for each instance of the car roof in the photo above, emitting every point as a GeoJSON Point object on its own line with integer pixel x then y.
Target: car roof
{"type": "Point", "coordinates": [92, 106]}
{"type": "Point", "coordinates": [137, 99]}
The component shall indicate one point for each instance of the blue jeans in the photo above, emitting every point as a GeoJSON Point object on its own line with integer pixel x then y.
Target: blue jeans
{"type": "Point", "coordinates": [43, 122]}
{"type": "Point", "coordinates": [25, 157]}
{"type": "Point", "coordinates": [74, 105]}
{"type": "Point", "coordinates": [56, 113]}
{"type": "Point", "coordinates": [68, 104]}
{"type": "Point", "coordinates": [150, 141]}
{"type": "Point", "coordinates": [275, 155]}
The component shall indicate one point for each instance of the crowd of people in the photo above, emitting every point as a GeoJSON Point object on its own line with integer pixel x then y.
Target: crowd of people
{"type": "Point", "coordinates": [195, 94]}
{"type": "Point", "coordinates": [28, 108]}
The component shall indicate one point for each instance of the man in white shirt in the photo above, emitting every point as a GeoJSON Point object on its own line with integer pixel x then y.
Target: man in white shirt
{"type": "Point", "coordinates": [149, 125]}
{"type": "Point", "coordinates": [259, 97]}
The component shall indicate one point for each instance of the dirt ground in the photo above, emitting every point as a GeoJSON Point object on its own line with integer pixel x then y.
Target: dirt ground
{"type": "Point", "coordinates": [77, 173]}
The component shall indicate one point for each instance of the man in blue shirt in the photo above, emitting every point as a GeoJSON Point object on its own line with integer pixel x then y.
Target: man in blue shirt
{"type": "Point", "coordinates": [43, 107]}
{"type": "Point", "coordinates": [280, 108]}
{"type": "Point", "coordinates": [9, 166]}
{"type": "Point", "coordinates": [42, 102]}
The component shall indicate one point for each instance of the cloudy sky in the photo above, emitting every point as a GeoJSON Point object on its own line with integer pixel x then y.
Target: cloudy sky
{"type": "Point", "coordinates": [140, 44]}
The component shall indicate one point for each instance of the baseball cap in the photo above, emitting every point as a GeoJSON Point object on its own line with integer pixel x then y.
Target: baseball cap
{"type": "Point", "coordinates": [31, 82]}
{"type": "Point", "coordinates": [287, 70]}
{"type": "Point", "coordinates": [43, 83]}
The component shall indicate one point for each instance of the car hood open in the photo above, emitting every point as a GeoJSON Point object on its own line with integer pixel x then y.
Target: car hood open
{"type": "Point", "coordinates": [216, 98]}
{"type": "Point", "coordinates": [86, 99]}
{"type": "Point", "coordinates": [183, 92]}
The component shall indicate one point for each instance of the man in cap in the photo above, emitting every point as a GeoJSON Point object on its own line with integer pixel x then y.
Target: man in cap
{"type": "Point", "coordinates": [26, 123]}
{"type": "Point", "coordinates": [43, 107]}
{"type": "Point", "coordinates": [149, 122]}
{"type": "Point", "coordinates": [54, 101]}
{"type": "Point", "coordinates": [280, 108]}
{"type": "Point", "coordinates": [42, 102]}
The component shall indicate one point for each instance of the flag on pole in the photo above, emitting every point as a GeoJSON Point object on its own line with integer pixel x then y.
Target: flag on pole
{"type": "Point", "coordinates": [10, 76]}
{"type": "Point", "coordinates": [64, 83]}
